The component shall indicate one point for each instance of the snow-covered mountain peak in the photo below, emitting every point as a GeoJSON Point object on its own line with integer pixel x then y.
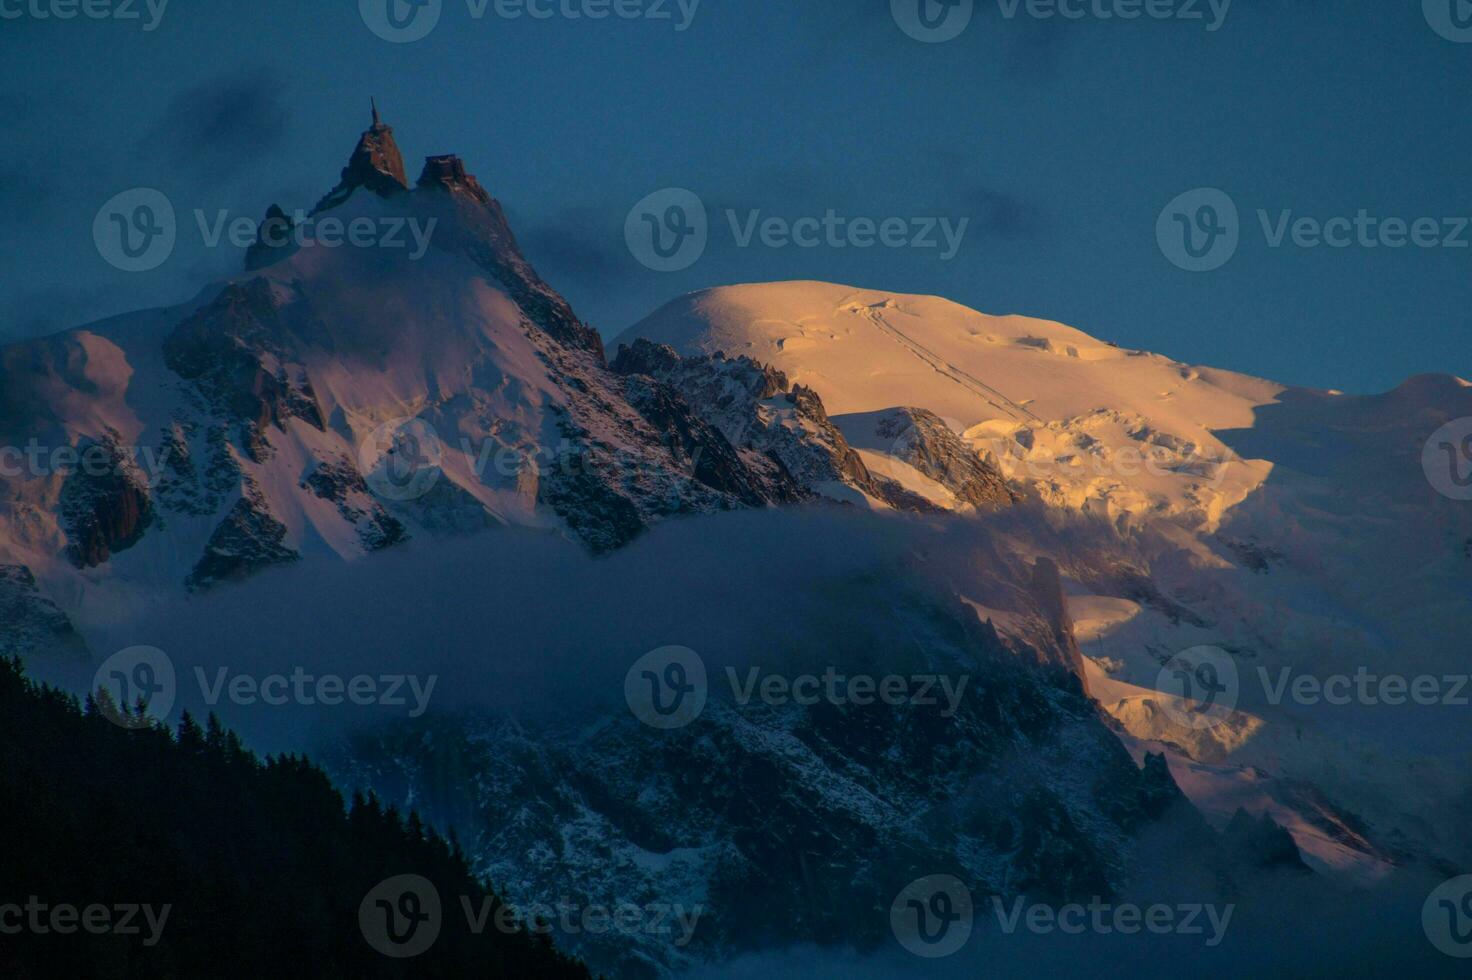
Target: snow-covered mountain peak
{"type": "Point", "coordinates": [1081, 421]}
{"type": "Point", "coordinates": [1303, 530]}
{"type": "Point", "coordinates": [376, 164]}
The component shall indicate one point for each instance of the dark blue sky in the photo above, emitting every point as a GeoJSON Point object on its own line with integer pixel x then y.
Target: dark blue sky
{"type": "Point", "coordinates": [1061, 140]}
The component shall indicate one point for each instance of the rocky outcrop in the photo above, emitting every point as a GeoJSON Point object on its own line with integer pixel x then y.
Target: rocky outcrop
{"type": "Point", "coordinates": [338, 481]}
{"type": "Point", "coordinates": [922, 439]}
{"type": "Point", "coordinates": [29, 621]}
{"type": "Point", "coordinates": [789, 824]}
{"type": "Point", "coordinates": [236, 351]}
{"type": "Point", "coordinates": [248, 540]}
{"type": "Point", "coordinates": [701, 446]}
{"type": "Point", "coordinates": [475, 226]}
{"type": "Point", "coordinates": [1046, 589]}
{"type": "Point", "coordinates": [105, 505]}
{"type": "Point", "coordinates": [195, 474]}
{"type": "Point", "coordinates": [275, 240]}
{"type": "Point", "coordinates": [376, 165]}
{"type": "Point", "coordinates": [759, 411]}
{"type": "Point", "coordinates": [1262, 842]}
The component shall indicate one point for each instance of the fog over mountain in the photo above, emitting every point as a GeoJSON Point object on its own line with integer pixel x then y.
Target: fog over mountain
{"type": "Point", "coordinates": [814, 624]}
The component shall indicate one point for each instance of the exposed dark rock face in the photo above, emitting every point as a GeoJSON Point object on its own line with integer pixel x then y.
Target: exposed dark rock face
{"type": "Point", "coordinates": [617, 472]}
{"type": "Point", "coordinates": [195, 474]}
{"type": "Point", "coordinates": [600, 516]}
{"type": "Point", "coordinates": [376, 164]}
{"type": "Point", "coordinates": [274, 240]}
{"type": "Point", "coordinates": [725, 386]}
{"type": "Point", "coordinates": [29, 621]}
{"type": "Point", "coordinates": [104, 509]}
{"type": "Point", "coordinates": [236, 351]}
{"type": "Point", "coordinates": [1046, 588]}
{"type": "Point", "coordinates": [793, 824]}
{"type": "Point", "coordinates": [1263, 843]}
{"type": "Point", "coordinates": [248, 540]}
{"type": "Point", "coordinates": [1161, 791]}
{"type": "Point", "coordinates": [338, 480]}
{"type": "Point", "coordinates": [448, 509]}
{"type": "Point", "coordinates": [1253, 554]}
{"type": "Point", "coordinates": [920, 438]}
{"type": "Point", "coordinates": [757, 410]}
{"type": "Point", "coordinates": [713, 461]}
{"type": "Point", "coordinates": [476, 227]}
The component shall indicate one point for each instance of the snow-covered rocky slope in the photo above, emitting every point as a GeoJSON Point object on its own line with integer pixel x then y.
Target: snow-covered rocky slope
{"type": "Point", "coordinates": [334, 401]}
{"type": "Point", "coordinates": [1064, 517]}
{"type": "Point", "coordinates": [332, 404]}
{"type": "Point", "coordinates": [1293, 529]}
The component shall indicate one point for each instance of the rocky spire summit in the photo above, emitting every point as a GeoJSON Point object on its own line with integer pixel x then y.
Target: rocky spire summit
{"type": "Point", "coordinates": [375, 164]}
